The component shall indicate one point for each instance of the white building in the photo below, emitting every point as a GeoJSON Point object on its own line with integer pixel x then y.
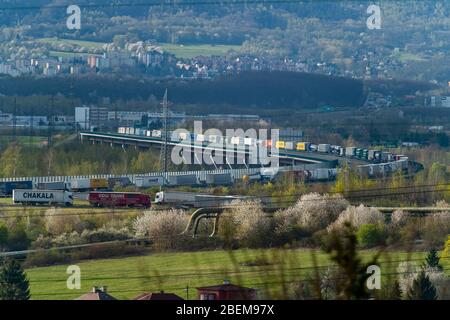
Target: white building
{"type": "Point", "coordinates": [28, 121]}
{"type": "Point", "coordinates": [82, 117]}
{"type": "Point", "coordinates": [5, 118]}
{"type": "Point", "coordinates": [87, 118]}
{"type": "Point", "coordinates": [440, 101]}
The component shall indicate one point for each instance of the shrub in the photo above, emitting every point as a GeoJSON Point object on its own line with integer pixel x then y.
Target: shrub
{"type": "Point", "coordinates": [411, 231]}
{"type": "Point", "coordinates": [227, 231]}
{"type": "Point", "coordinates": [3, 235]}
{"type": "Point", "coordinates": [87, 236]}
{"type": "Point", "coordinates": [163, 227]}
{"type": "Point", "coordinates": [105, 234]}
{"type": "Point", "coordinates": [399, 218]}
{"type": "Point", "coordinates": [370, 235]}
{"type": "Point", "coordinates": [440, 281]}
{"type": "Point", "coordinates": [248, 224]}
{"type": "Point", "coordinates": [58, 223]}
{"type": "Point", "coordinates": [45, 258]}
{"type": "Point", "coordinates": [108, 250]}
{"type": "Point", "coordinates": [396, 228]}
{"type": "Point", "coordinates": [293, 234]}
{"type": "Point", "coordinates": [436, 227]}
{"type": "Point", "coordinates": [18, 238]}
{"type": "Point", "coordinates": [41, 242]}
{"type": "Point", "coordinates": [312, 212]}
{"type": "Point", "coordinates": [358, 216]}
{"type": "Point", "coordinates": [442, 204]}
{"type": "Point", "coordinates": [408, 272]}
{"type": "Point", "coordinates": [329, 283]}
{"type": "Point", "coordinates": [66, 239]}
{"type": "Point", "coordinates": [422, 288]}
{"type": "Point", "coordinates": [301, 290]}
{"type": "Point", "coordinates": [446, 252]}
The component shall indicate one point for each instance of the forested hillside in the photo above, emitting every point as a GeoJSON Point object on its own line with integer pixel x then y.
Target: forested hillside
{"type": "Point", "coordinates": [252, 90]}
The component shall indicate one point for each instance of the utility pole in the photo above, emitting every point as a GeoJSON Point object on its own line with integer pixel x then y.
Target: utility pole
{"type": "Point", "coordinates": [15, 120]}
{"type": "Point", "coordinates": [31, 126]}
{"type": "Point", "coordinates": [72, 102]}
{"type": "Point", "coordinates": [187, 292]}
{"type": "Point", "coordinates": [164, 155]}
{"type": "Point", "coordinates": [50, 123]}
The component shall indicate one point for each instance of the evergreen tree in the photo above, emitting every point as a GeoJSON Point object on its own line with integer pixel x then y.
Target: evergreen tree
{"type": "Point", "coordinates": [422, 288]}
{"type": "Point", "coordinates": [14, 284]}
{"type": "Point", "coordinates": [342, 245]}
{"type": "Point", "coordinates": [396, 293]}
{"type": "Point", "coordinates": [3, 236]}
{"type": "Point", "coordinates": [432, 260]}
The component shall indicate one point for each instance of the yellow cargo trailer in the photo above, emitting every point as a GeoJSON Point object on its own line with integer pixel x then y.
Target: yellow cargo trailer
{"type": "Point", "coordinates": [279, 145]}
{"type": "Point", "coordinates": [302, 146]}
{"type": "Point", "coordinates": [99, 184]}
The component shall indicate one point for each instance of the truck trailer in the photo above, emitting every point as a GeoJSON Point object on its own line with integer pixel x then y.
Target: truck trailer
{"type": "Point", "coordinates": [193, 200]}
{"type": "Point", "coordinates": [43, 197]}
{"type": "Point", "coordinates": [147, 182]}
{"type": "Point", "coordinates": [219, 179]}
{"type": "Point", "coordinates": [183, 180]}
{"type": "Point", "coordinates": [119, 199]}
{"type": "Point", "coordinates": [81, 185]}
{"type": "Point", "coordinates": [6, 188]}
{"type": "Point", "coordinates": [57, 185]}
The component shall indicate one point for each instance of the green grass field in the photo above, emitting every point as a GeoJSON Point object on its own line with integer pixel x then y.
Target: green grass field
{"type": "Point", "coordinates": [181, 51]}
{"type": "Point", "coordinates": [191, 51]}
{"type": "Point", "coordinates": [410, 57]}
{"type": "Point", "coordinates": [65, 54]}
{"type": "Point", "coordinates": [87, 44]}
{"type": "Point", "coordinates": [172, 272]}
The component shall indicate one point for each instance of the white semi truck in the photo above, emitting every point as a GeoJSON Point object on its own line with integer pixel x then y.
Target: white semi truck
{"type": "Point", "coordinates": [43, 197]}
{"type": "Point", "coordinates": [194, 200]}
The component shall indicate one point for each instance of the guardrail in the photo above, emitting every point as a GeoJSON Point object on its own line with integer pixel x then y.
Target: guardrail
{"type": "Point", "coordinates": [235, 173]}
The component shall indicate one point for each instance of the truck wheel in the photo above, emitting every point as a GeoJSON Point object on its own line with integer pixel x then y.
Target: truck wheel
{"type": "Point", "coordinates": [68, 204]}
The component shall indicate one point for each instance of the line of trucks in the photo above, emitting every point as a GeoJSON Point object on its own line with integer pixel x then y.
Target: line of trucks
{"type": "Point", "coordinates": [375, 156]}
{"type": "Point", "coordinates": [65, 198]}
{"type": "Point", "coordinates": [101, 184]}
{"type": "Point", "coordinates": [98, 199]}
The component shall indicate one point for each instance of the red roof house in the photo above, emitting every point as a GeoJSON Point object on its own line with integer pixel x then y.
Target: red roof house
{"type": "Point", "coordinates": [97, 294]}
{"type": "Point", "coordinates": [226, 291]}
{"type": "Point", "coordinates": [158, 296]}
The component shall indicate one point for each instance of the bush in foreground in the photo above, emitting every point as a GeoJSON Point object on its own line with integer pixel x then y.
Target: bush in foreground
{"type": "Point", "coordinates": [162, 227]}
{"type": "Point", "coordinates": [247, 223]}
{"type": "Point", "coordinates": [358, 216]}
{"type": "Point", "coordinates": [311, 213]}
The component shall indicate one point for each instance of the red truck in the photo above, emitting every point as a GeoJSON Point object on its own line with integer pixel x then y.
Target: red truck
{"type": "Point", "coordinates": [119, 199]}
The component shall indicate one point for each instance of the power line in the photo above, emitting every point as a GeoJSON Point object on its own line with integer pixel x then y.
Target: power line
{"type": "Point", "coordinates": [231, 272]}
{"type": "Point", "coordinates": [230, 206]}
{"type": "Point", "coordinates": [15, 120]}
{"type": "Point", "coordinates": [50, 123]}
{"type": "Point", "coordinates": [291, 281]}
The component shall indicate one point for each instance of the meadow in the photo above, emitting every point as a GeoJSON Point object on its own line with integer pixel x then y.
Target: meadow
{"type": "Point", "coordinates": [268, 270]}
{"type": "Point", "coordinates": [185, 51]}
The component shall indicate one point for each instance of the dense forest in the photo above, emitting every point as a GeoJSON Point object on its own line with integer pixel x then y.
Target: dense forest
{"type": "Point", "coordinates": [191, 21]}
{"type": "Point", "coordinates": [250, 90]}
